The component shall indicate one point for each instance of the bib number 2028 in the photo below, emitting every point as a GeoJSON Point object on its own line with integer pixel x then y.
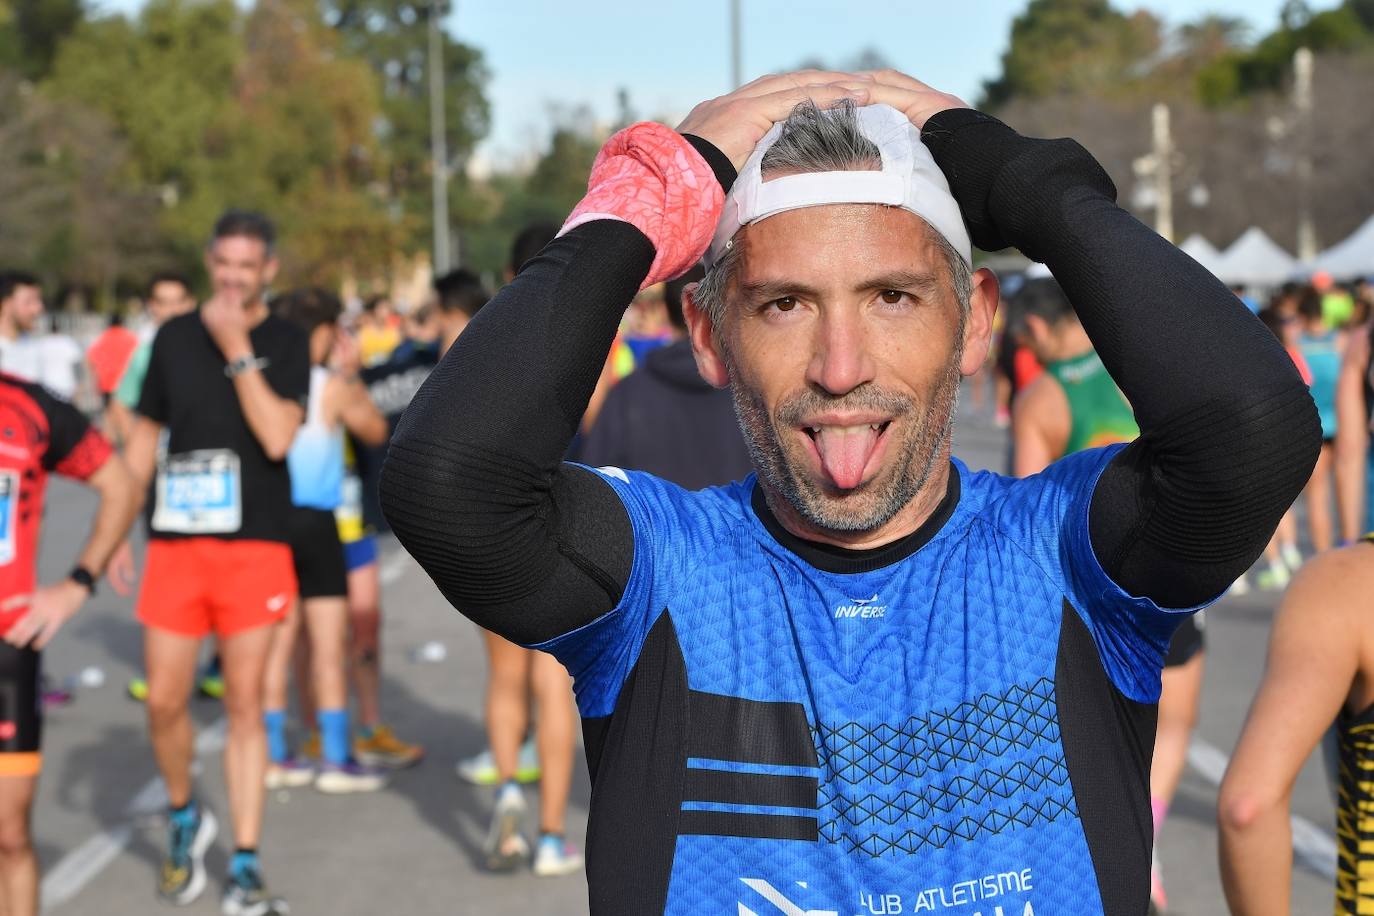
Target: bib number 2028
{"type": "Point", "coordinates": [199, 493]}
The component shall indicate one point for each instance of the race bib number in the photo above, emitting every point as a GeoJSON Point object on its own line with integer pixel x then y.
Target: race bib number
{"type": "Point", "coordinates": [9, 515]}
{"type": "Point", "coordinates": [199, 493]}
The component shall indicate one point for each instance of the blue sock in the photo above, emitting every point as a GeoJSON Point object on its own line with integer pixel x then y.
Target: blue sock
{"type": "Point", "coordinates": [333, 735]}
{"type": "Point", "coordinates": [243, 860]}
{"type": "Point", "coordinates": [186, 814]}
{"type": "Point", "coordinates": [275, 720]}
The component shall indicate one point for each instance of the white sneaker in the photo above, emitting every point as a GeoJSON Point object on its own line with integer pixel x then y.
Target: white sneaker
{"type": "Point", "coordinates": [291, 773]}
{"type": "Point", "coordinates": [507, 847]}
{"type": "Point", "coordinates": [1292, 556]}
{"type": "Point", "coordinates": [346, 778]}
{"type": "Point", "coordinates": [1275, 578]}
{"type": "Point", "coordinates": [555, 857]}
{"type": "Point", "coordinates": [480, 769]}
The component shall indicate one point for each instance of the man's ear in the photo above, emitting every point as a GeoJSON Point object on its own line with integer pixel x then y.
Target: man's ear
{"type": "Point", "coordinates": [701, 331]}
{"type": "Point", "coordinates": [273, 265]}
{"type": "Point", "coordinates": [978, 328]}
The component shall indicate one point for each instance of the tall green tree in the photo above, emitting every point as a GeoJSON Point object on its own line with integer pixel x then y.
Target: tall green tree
{"type": "Point", "coordinates": [67, 209]}
{"type": "Point", "coordinates": [393, 37]}
{"type": "Point", "coordinates": [166, 79]}
{"type": "Point", "coordinates": [31, 32]}
{"type": "Point", "coordinates": [305, 146]}
{"type": "Point", "coordinates": [1066, 46]}
{"type": "Point", "coordinates": [1269, 64]}
{"type": "Point", "coordinates": [262, 109]}
{"type": "Point", "coordinates": [546, 194]}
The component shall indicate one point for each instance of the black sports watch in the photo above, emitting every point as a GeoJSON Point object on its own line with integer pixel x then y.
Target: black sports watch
{"type": "Point", "coordinates": [83, 577]}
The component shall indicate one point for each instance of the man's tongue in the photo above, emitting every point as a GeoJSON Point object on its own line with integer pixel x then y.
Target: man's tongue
{"type": "Point", "coordinates": [845, 451]}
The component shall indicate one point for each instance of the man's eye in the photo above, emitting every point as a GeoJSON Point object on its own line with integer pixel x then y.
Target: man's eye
{"type": "Point", "coordinates": [892, 296]}
{"type": "Point", "coordinates": [785, 304]}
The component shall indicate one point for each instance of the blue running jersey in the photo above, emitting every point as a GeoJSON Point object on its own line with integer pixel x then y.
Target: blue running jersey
{"type": "Point", "coordinates": [962, 729]}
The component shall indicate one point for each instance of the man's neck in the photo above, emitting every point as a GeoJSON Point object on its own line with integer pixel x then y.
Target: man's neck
{"type": "Point", "coordinates": [907, 520]}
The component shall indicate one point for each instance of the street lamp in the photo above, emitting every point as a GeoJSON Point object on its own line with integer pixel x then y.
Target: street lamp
{"type": "Point", "coordinates": [736, 75]}
{"type": "Point", "coordinates": [1302, 101]}
{"type": "Point", "coordinates": [438, 143]}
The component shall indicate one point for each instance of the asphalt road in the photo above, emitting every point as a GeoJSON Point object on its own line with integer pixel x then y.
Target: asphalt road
{"type": "Point", "coordinates": [415, 849]}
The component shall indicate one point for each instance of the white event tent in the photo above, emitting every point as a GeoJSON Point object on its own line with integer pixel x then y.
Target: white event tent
{"type": "Point", "coordinates": [1353, 257]}
{"type": "Point", "coordinates": [1202, 251]}
{"type": "Point", "coordinates": [1255, 259]}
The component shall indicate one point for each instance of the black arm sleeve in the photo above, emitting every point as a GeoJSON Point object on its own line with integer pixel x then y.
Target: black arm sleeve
{"type": "Point", "coordinates": [1229, 433]}
{"type": "Point", "coordinates": [474, 485]}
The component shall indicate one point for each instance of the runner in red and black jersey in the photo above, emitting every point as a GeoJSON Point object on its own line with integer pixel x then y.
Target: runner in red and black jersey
{"type": "Point", "coordinates": [40, 434]}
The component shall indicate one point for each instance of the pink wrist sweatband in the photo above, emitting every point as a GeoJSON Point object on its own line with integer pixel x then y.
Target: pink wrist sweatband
{"type": "Point", "coordinates": [649, 176]}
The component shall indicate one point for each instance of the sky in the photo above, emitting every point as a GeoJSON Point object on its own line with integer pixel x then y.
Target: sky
{"type": "Point", "coordinates": [671, 54]}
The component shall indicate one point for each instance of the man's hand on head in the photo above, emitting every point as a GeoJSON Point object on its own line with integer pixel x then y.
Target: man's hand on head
{"type": "Point", "coordinates": [908, 95]}
{"type": "Point", "coordinates": [227, 321]}
{"type": "Point", "coordinates": [737, 121]}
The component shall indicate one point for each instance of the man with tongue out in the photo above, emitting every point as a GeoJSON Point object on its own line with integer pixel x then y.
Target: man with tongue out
{"type": "Point", "coordinates": [867, 679]}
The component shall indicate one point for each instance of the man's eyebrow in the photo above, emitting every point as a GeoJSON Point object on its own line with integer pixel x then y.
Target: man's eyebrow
{"type": "Point", "coordinates": [918, 281]}
{"type": "Point", "coordinates": [908, 280]}
{"type": "Point", "coordinates": [768, 289]}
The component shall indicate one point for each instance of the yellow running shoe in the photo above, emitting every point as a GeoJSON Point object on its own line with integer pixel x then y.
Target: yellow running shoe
{"type": "Point", "coordinates": [383, 749]}
{"type": "Point", "coordinates": [138, 689]}
{"type": "Point", "coordinates": [310, 748]}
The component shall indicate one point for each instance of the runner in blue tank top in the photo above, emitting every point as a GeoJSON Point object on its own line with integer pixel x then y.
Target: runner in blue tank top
{"type": "Point", "coordinates": [337, 402]}
{"type": "Point", "coordinates": [868, 680]}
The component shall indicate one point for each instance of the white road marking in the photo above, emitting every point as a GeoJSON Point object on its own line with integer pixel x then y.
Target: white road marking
{"type": "Point", "coordinates": [80, 867]}
{"type": "Point", "coordinates": [1312, 846]}
{"type": "Point", "coordinates": [394, 566]}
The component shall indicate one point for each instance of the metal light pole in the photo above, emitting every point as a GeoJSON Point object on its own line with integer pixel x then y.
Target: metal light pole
{"type": "Point", "coordinates": [1164, 171]}
{"type": "Point", "coordinates": [1158, 167]}
{"type": "Point", "coordinates": [438, 143]}
{"type": "Point", "coordinates": [736, 68]}
{"type": "Point", "coordinates": [1302, 101]}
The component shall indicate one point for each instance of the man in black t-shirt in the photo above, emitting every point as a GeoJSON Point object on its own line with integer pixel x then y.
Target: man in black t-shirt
{"type": "Point", "coordinates": [227, 383]}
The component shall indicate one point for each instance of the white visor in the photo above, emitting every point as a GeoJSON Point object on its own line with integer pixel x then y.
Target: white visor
{"type": "Point", "coordinates": [909, 179]}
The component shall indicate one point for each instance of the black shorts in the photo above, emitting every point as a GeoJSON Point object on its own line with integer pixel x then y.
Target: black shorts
{"type": "Point", "coordinates": [21, 711]}
{"type": "Point", "coordinates": [1187, 642]}
{"type": "Point", "coordinates": [317, 553]}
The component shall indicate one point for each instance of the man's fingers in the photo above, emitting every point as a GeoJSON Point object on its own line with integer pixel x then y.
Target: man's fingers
{"type": "Point", "coordinates": [918, 105]}
{"type": "Point", "coordinates": [776, 106]}
{"type": "Point", "coordinates": [890, 77]}
{"type": "Point", "coordinates": [44, 636]}
{"type": "Point", "coordinates": [774, 82]}
{"type": "Point", "coordinates": [15, 601]}
{"type": "Point", "coordinates": [20, 632]}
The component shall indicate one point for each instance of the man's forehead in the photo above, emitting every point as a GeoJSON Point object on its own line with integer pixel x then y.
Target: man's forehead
{"type": "Point", "coordinates": [839, 238]}
{"type": "Point", "coordinates": [239, 246]}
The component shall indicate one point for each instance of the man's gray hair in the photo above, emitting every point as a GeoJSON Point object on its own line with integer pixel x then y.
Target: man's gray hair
{"type": "Point", "coordinates": [816, 140]}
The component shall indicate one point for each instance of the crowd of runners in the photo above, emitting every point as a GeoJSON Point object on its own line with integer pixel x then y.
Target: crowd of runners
{"type": "Point", "coordinates": [784, 286]}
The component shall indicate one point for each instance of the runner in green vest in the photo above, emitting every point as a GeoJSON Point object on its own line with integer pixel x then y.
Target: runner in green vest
{"type": "Point", "coordinates": [1075, 405]}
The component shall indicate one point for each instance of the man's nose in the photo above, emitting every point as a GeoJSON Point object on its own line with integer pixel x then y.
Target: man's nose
{"type": "Point", "coordinates": [841, 360]}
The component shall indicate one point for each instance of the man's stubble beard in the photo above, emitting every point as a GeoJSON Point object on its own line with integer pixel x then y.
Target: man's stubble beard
{"type": "Point", "coordinates": [927, 429]}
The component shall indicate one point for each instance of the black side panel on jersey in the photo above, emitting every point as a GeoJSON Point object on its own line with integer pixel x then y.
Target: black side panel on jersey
{"type": "Point", "coordinates": [20, 707]}
{"type": "Point", "coordinates": [638, 761]}
{"type": "Point", "coordinates": [1108, 740]}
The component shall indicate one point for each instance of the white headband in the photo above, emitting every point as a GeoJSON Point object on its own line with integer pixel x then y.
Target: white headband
{"type": "Point", "coordinates": [909, 179]}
